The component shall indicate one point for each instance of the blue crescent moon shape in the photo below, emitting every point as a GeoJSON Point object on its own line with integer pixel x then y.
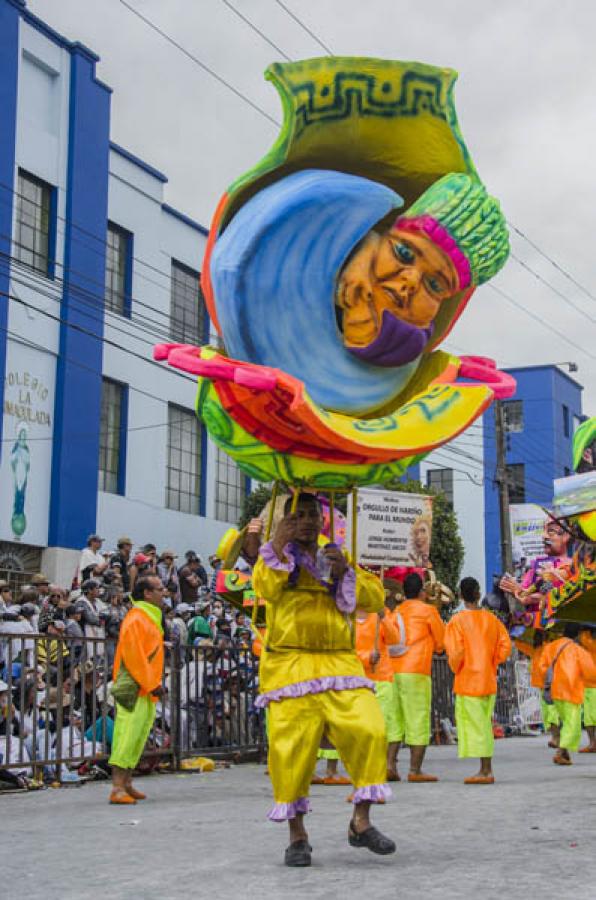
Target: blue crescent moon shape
{"type": "Point", "coordinates": [274, 272]}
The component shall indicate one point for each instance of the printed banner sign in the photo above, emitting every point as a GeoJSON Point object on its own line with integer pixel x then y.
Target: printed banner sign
{"type": "Point", "coordinates": [393, 528]}
{"type": "Point", "coordinates": [527, 530]}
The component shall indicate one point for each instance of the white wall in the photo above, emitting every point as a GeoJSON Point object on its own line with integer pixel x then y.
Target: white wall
{"type": "Point", "coordinates": [468, 496]}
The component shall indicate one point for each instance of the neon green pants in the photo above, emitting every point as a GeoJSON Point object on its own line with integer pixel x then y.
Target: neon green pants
{"type": "Point", "coordinates": [413, 693]}
{"type": "Point", "coordinates": [322, 753]}
{"type": "Point", "coordinates": [550, 716]}
{"type": "Point", "coordinates": [590, 707]}
{"type": "Point", "coordinates": [571, 724]}
{"type": "Point", "coordinates": [385, 694]}
{"type": "Point", "coordinates": [131, 732]}
{"type": "Point", "coordinates": [474, 720]}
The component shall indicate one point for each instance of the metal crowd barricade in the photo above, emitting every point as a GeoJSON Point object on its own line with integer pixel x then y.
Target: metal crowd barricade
{"type": "Point", "coordinates": [215, 690]}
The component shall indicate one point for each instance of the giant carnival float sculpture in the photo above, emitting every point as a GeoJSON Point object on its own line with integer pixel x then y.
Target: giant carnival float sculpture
{"type": "Point", "coordinates": [334, 271]}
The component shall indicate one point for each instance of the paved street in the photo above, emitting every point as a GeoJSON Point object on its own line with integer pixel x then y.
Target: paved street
{"type": "Point", "coordinates": [531, 834]}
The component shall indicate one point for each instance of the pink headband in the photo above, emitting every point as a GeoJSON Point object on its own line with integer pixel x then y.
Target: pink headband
{"type": "Point", "coordinates": [441, 237]}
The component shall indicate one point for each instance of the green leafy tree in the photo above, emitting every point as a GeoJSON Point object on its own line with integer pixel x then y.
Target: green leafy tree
{"type": "Point", "coordinates": [254, 503]}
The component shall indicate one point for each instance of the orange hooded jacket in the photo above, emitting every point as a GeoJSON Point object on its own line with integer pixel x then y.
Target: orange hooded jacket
{"type": "Point", "coordinates": [140, 648]}
{"type": "Point", "coordinates": [366, 632]}
{"type": "Point", "coordinates": [574, 668]}
{"type": "Point", "coordinates": [476, 643]}
{"type": "Point", "coordinates": [589, 644]}
{"type": "Point", "coordinates": [425, 633]}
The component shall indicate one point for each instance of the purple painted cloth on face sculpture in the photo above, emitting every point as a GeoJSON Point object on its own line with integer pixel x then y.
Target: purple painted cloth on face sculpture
{"type": "Point", "coordinates": [396, 344]}
{"type": "Point", "coordinates": [314, 686]}
{"type": "Point", "coordinates": [373, 793]}
{"type": "Point", "coordinates": [281, 812]}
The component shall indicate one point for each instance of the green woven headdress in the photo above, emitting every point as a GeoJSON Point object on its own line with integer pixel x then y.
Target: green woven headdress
{"type": "Point", "coordinates": [465, 222]}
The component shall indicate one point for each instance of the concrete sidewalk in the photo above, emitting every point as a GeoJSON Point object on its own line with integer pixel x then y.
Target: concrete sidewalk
{"type": "Point", "coordinates": [533, 834]}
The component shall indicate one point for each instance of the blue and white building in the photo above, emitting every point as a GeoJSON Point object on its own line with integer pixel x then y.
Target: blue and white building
{"type": "Point", "coordinates": [95, 268]}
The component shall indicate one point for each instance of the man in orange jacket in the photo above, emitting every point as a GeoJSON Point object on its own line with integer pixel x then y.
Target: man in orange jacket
{"type": "Point", "coordinates": [422, 635]}
{"type": "Point", "coordinates": [375, 633]}
{"type": "Point", "coordinates": [572, 668]}
{"type": "Point", "coordinates": [587, 638]}
{"type": "Point", "coordinates": [139, 658]}
{"type": "Point", "coordinates": [476, 643]}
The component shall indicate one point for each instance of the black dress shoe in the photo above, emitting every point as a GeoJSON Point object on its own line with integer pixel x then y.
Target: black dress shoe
{"type": "Point", "coordinates": [298, 854]}
{"type": "Point", "coordinates": [371, 838]}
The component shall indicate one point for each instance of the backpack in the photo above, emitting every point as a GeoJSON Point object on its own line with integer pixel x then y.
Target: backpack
{"type": "Point", "coordinates": [401, 648]}
{"type": "Point", "coordinates": [547, 691]}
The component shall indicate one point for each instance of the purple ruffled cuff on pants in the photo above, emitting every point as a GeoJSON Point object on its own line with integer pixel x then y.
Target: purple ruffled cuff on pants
{"type": "Point", "coordinates": [373, 793]}
{"type": "Point", "coordinates": [281, 812]}
{"type": "Point", "coordinates": [314, 686]}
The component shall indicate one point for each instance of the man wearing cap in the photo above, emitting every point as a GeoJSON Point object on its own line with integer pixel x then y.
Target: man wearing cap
{"type": "Point", "coordinates": [121, 560]}
{"type": "Point", "coordinates": [139, 659]}
{"type": "Point", "coordinates": [91, 561]}
{"type": "Point", "coordinates": [166, 569]}
{"type": "Point", "coordinates": [91, 609]}
{"type": "Point", "coordinates": [41, 583]}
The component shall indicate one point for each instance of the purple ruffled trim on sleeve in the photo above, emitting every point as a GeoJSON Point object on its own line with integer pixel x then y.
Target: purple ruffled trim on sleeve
{"type": "Point", "coordinates": [314, 686]}
{"type": "Point", "coordinates": [281, 812]}
{"type": "Point", "coordinates": [271, 559]}
{"type": "Point", "coordinates": [373, 793]}
{"type": "Point", "coordinates": [345, 596]}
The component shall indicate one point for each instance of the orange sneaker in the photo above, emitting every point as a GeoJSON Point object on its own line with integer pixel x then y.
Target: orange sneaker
{"type": "Point", "coordinates": [122, 798]}
{"type": "Point", "coordinates": [317, 779]}
{"type": "Point", "coordinates": [421, 778]}
{"type": "Point", "coordinates": [336, 779]}
{"type": "Point", "coordinates": [480, 779]}
{"type": "Point", "coordinates": [587, 749]}
{"type": "Point", "coordinates": [560, 760]}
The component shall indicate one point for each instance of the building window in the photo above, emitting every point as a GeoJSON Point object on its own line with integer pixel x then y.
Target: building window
{"type": "Point", "coordinates": [230, 489]}
{"type": "Point", "coordinates": [441, 481]}
{"type": "Point", "coordinates": [516, 477]}
{"type": "Point", "coordinates": [513, 415]}
{"type": "Point", "coordinates": [188, 314]}
{"type": "Point", "coordinates": [112, 437]}
{"type": "Point", "coordinates": [183, 488]}
{"type": "Point", "coordinates": [118, 270]}
{"type": "Point", "coordinates": [34, 224]}
{"type": "Point", "coordinates": [566, 420]}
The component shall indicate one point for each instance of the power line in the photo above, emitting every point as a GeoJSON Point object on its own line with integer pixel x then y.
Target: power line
{"type": "Point", "coordinates": [198, 61]}
{"type": "Point", "coordinates": [538, 319]}
{"type": "Point", "coordinates": [255, 29]}
{"type": "Point", "coordinates": [553, 262]}
{"type": "Point", "coordinates": [555, 290]}
{"type": "Point", "coordinates": [304, 27]}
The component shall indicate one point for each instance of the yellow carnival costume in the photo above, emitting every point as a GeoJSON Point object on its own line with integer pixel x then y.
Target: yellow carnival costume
{"type": "Point", "coordinates": [312, 681]}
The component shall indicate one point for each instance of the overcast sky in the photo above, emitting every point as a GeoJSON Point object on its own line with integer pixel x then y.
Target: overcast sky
{"type": "Point", "coordinates": [525, 100]}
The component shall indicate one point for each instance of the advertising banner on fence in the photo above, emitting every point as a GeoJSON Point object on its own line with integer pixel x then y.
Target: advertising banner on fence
{"type": "Point", "coordinates": [393, 529]}
{"type": "Point", "coordinates": [527, 527]}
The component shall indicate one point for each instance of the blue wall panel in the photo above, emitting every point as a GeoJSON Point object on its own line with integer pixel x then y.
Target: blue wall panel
{"type": "Point", "coordinates": [9, 68]}
{"type": "Point", "coordinates": [78, 376]}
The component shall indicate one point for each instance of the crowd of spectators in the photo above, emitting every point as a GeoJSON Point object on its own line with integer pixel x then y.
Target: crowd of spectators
{"type": "Point", "coordinates": [209, 669]}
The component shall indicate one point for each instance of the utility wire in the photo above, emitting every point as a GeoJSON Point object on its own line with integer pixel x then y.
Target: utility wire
{"type": "Point", "coordinates": [551, 287]}
{"type": "Point", "coordinates": [304, 27]}
{"type": "Point", "coordinates": [256, 29]}
{"type": "Point", "coordinates": [198, 61]}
